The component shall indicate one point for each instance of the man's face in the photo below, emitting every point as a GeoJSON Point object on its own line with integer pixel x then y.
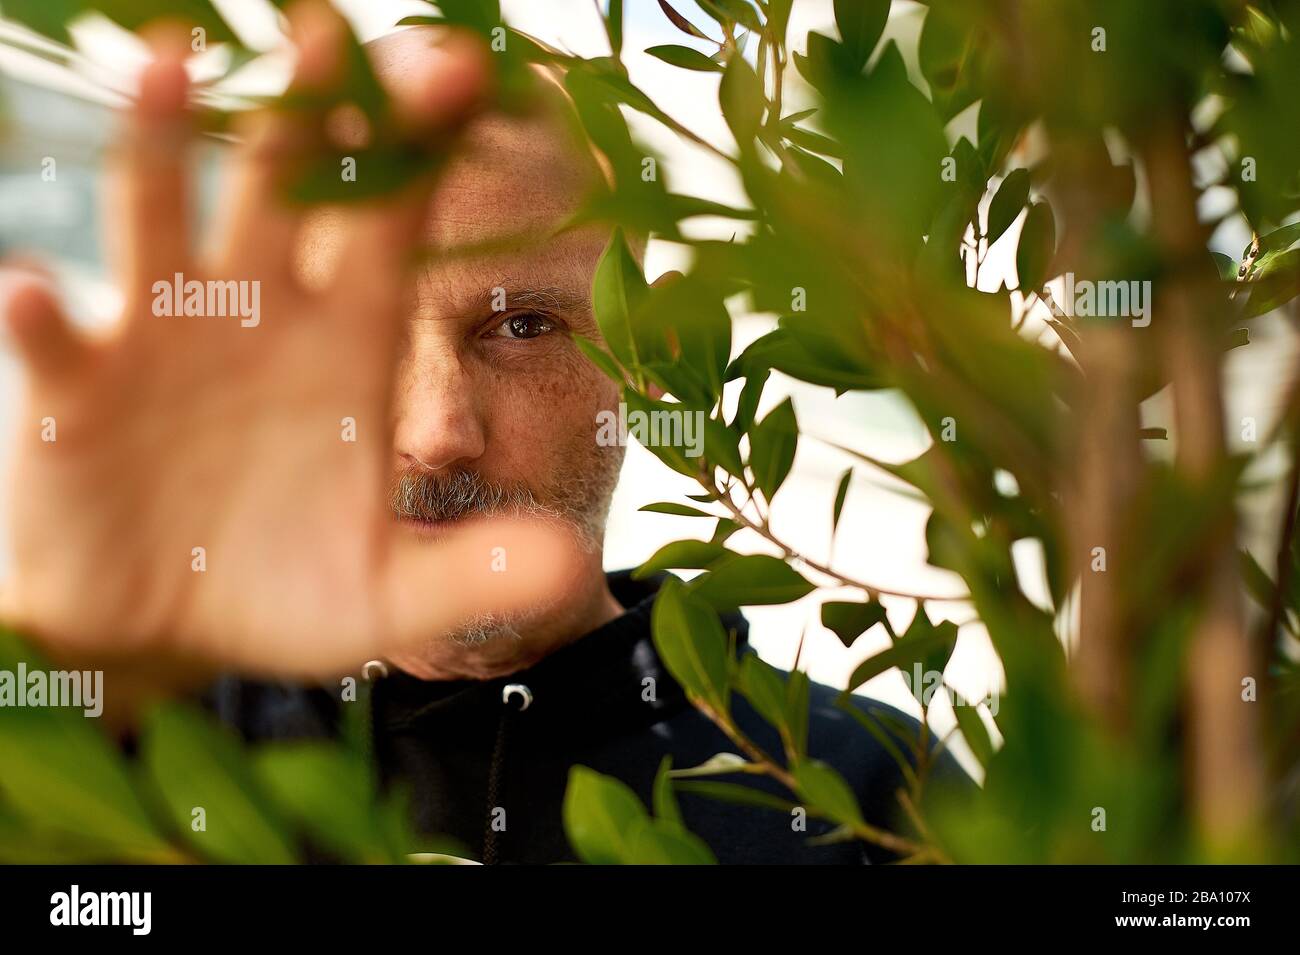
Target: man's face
{"type": "Point", "coordinates": [495, 408]}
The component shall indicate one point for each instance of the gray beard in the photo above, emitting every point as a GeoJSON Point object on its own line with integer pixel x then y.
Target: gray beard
{"type": "Point", "coordinates": [580, 503]}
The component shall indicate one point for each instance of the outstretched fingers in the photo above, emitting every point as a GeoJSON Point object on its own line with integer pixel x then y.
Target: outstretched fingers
{"type": "Point", "coordinates": [433, 96]}
{"type": "Point", "coordinates": [499, 571]}
{"type": "Point", "coordinates": [49, 347]}
{"type": "Point", "coordinates": [148, 195]}
{"type": "Point", "coordinates": [262, 226]}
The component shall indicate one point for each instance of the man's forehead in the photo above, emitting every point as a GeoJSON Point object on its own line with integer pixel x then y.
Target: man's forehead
{"type": "Point", "coordinates": [510, 177]}
{"type": "Point", "coordinates": [527, 171]}
{"type": "Point", "coordinates": [551, 275]}
{"type": "Point", "coordinates": [500, 205]}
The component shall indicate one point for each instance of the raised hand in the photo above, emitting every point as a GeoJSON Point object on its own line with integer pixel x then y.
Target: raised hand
{"type": "Point", "coordinates": [213, 488]}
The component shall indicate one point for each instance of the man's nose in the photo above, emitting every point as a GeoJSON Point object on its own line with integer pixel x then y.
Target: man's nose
{"type": "Point", "coordinates": [438, 422]}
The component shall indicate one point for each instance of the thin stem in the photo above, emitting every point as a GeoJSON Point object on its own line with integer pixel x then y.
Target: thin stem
{"type": "Point", "coordinates": [790, 553]}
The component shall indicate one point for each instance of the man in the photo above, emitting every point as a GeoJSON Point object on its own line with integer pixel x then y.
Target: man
{"type": "Point", "coordinates": [388, 465]}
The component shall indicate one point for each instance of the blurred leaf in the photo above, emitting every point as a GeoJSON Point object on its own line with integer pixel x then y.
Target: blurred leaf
{"type": "Point", "coordinates": [656, 842]}
{"type": "Point", "coordinates": [974, 731]}
{"type": "Point", "coordinates": [798, 690]}
{"type": "Point", "coordinates": [827, 792]}
{"type": "Point", "coordinates": [62, 776]}
{"type": "Point", "coordinates": [665, 800]}
{"type": "Point", "coordinates": [922, 643]}
{"type": "Point", "coordinates": [784, 351]}
{"type": "Point", "coordinates": [691, 643]}
{"type": "Point", "coordinates": [1275, 280]}
{"type": "Point", "coordinates": [1226, 265]}
{"type": "Point", "coordinates": [722, 447]}
{"type": "Point", "coordinates": [741, 96]}
{"type": "Point", "coordinates": [860, 23]}
{"type": "Point", "coordinates": [600, 358]}
{"type": "Point", "coordinates": [1007, 202]}
{"type": "Point", "coordinates": [1259, 584]}
{"type": "Point", "coordinates": [750, 395]}
{"type": "Point", "coordinates": [732, 11]}
{"type": "Point", "coordinates": [1037, 246]}
{"type": "Point", "coordinates": [849, 620]}
{"type": "Point", "coordinates": [736, 794]}
{"type": "Point", "coordinates": [893, 144]}
{"type": "Point", "coordinates": [614, 26]}
{"type": "Point", "coordinates": [949, 54]}
{"type": "Point", "coordinates": [685, 57]}
{"type": "Point", "coordinates": [1279, 240]}
{"type": "Point", "coordinates": [327, 790]}
{"type": "Point", "coordinates": [600, 814]}
{"type": "Point", "coordinates": [717, 765]}
{"type": "Point", "coordinates": [195, 763]}
{"type": "Point", "coordinates": [680, 21]}
{"type": "Point", "coordinates": [772, 444]}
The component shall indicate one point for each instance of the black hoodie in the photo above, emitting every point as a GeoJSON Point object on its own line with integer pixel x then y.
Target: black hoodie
{"type": "Point", "coordinates": [605, 701]}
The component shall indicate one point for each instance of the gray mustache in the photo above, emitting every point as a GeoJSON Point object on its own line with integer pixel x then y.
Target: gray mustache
{"type": "Point", "coordinates": [431, 496]}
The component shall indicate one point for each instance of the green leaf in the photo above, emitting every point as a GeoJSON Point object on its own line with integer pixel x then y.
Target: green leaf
{"type": "Point", "coordinates": [618, 288]}
{"type": "Point", "coordinates": [751, 580]}
{"type": "Point", "coordinates": [722, 447]}
{"type": "Point", "coordinates": [974, 731]}
{"type": "Point", "coordinates": [686, 322]}
{"type": "Point", "coordinates": [62, 777]}
{"type": "Point", "coordinates": [841, 493]}
{"type": "Point", "coordinates": [1259, 584]}
{"type": "Point", "coordinates": [719, 764]}
{"type": "Point", "coordinates": [687, 555]}
{"type": "Point", "coordinates": [750, 394]}
{"type": "Point", "coordinates": [685, 57]}
{"type": "Point", "coordinates": [327, 791]}
{"type": "Point", "coordinates": [732, 11]}
{"type": "Point", "coordinates": [678, 510]}
{"type": "Point", "coordinates": [763, 686]}
{"type": "Point", "coordinates": [690, 640]}
{"type": "Point", "coordinates": [1275, 280]}
{"type": "Point", "coordinates": [656, 842]}
{"type": "Point", "coordinates": [798, 689]}
{"type": "Point", "coordinates": [600, 358]}
{"type": "Point", "coordinates": [949, 55]}
{"type": "Point", "coordinates": [614, 26]}
{"type": "Point", "coordinates": [670, 451]}
{"type": "Point", "coordinates": [1007, 202]}
{"type": "Point", "coordinates": [849, 620]}
{"type": "Point", "coordinates": [680, 21]}
{"type": "Point", "coordinates": [772, 444]}
{"type": "Point", "coordinates": [735, 793]}
{"type": "Point", "coordinates": [195, 763]}
{"type": "Point", "coordinates": [665, 800]}
{"type": "Point", "coordinates": [1279, 240]}
{"type": "Point", "coordinates": [600, 813]}
{"type": "Point", "coordinates": [825, 790]}
{"type": "Point", "coordinates": [893, 144]}
{"type": "Point", "coordinates": [922, 642]}
{"type": "Point", "coordinates": [1226, 266]}
{"type": "Point", "coordinates": [741, 95]}
{"type": "Point", "coordinates": [860, 23]}
{"type": "Point", "coordinates": [1037, 246]}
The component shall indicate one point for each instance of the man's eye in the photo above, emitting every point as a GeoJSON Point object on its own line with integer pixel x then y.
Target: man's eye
{"type": "Point", "coordinates": [525, 325]}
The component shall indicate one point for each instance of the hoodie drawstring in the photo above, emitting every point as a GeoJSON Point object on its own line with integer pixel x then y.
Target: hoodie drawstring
{"type": "Point", "coordinates": [515, 698]}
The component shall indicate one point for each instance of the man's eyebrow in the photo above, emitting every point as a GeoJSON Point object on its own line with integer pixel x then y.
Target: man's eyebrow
{"type": "Point", "coordinates": [542, 298]}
